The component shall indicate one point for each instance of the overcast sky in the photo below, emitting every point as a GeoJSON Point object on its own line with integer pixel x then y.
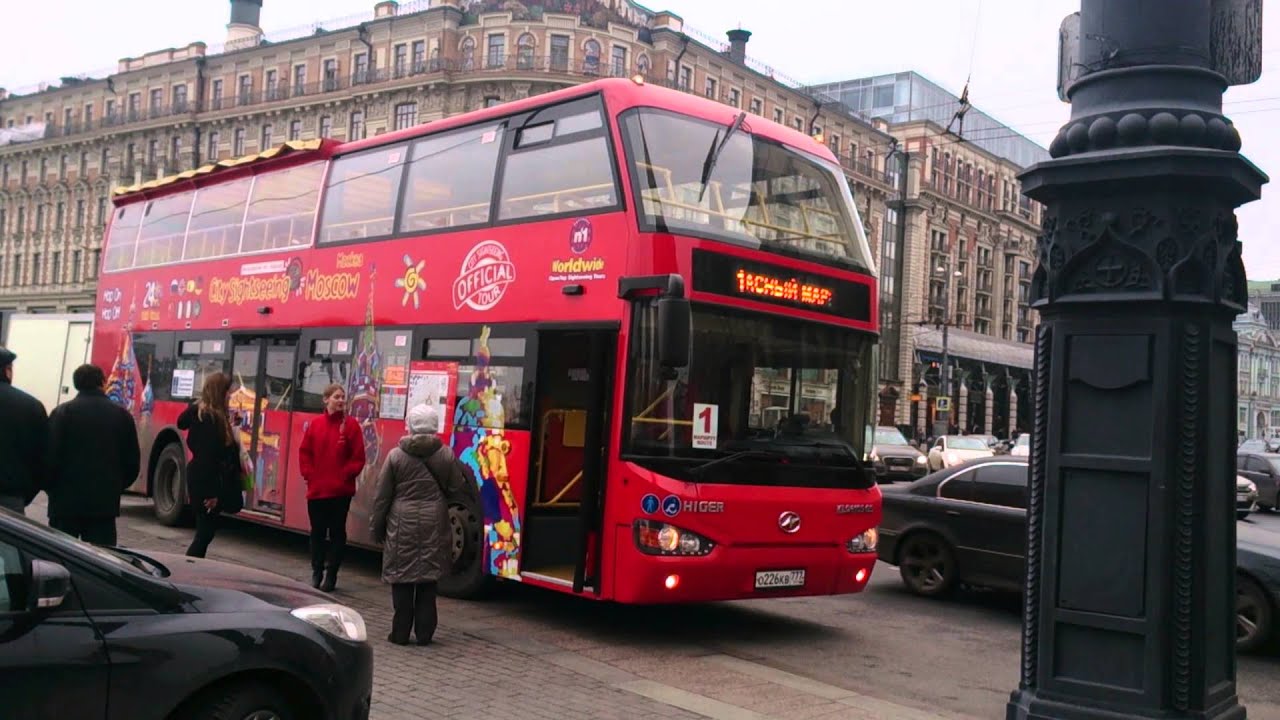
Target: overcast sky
{"type": "Point", "coordinates": [1007, 47]}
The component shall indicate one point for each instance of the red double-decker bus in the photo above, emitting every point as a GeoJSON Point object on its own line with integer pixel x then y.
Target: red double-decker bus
{"type": "Point", "coordinates": [651, 319]}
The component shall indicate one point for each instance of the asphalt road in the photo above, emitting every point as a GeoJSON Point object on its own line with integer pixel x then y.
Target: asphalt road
{"type": "Point", "coordinates": [958, 656]}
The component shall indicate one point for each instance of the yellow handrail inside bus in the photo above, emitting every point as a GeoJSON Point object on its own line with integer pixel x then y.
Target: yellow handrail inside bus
{"type": "Point", "coordinates": [573, 434]}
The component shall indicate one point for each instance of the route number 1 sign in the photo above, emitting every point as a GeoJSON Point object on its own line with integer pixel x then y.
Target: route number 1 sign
{"type": "Point", "coordinates": [706, 425]}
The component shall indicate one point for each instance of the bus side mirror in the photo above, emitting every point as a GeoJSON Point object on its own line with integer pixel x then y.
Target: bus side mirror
{"type": "Point", "coordinates": [674, 320]}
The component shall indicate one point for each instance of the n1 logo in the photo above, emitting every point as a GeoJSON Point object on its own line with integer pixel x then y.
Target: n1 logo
{"type": "Point", "coordinates": [706, 426]}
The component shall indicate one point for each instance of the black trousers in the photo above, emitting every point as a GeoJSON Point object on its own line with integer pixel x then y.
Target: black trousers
{"type": "Point", "coordinates": [206, 525]}
{"type": "Point", "coordinates": [96, 530]}
{"type": "Point", "coordinates": [328, 531]}
{"type": "Point", "coordinates": [415, 610]}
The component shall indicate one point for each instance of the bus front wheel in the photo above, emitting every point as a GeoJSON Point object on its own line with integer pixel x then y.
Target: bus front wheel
{"type": "Point", "coordinates": [466, 579]}
{"type": "Point", "coordinates": [169, 485]}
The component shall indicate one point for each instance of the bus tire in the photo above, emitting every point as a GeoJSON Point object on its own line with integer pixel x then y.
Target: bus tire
{"type": "Point", "coordinates": [169, 486]}
{"type": "Point", "coordinates": [467, 579]}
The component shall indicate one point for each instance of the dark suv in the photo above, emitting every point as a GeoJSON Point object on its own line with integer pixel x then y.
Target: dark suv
{"type": "Point", "coordinates": [88, 632]}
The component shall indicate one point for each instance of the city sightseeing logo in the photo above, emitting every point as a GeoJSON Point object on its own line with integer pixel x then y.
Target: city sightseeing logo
{"type": "Point", "coordinates": [486, 272]}
{"type": "Point", "coordinates": [412, 283]}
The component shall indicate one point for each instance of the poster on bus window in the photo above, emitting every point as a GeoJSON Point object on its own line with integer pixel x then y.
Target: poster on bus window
{"type": "Point", "coordinates": [435, 383]}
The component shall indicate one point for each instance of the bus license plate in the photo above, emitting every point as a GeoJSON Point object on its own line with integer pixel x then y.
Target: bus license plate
{"type": "Point", "coordinates": [769, 579]}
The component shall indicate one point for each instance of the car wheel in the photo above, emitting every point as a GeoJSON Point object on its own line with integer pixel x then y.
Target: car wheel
{"type": "Point", "coordinates": [927, 564]}
{"type": "Point", "coordinates": [1253, 615]}
{"type": "Point", "coordinates": [169, 485]}
{"type": "Point", "coordinates": [243, 701]}
{"type": "Point", "coordinates": [467, 579]}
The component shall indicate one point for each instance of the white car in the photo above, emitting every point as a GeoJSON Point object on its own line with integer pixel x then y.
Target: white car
{"type": "Point", "coordinates": [1022, 448]}
{"type": "Point", "coordinates": [951, 450]}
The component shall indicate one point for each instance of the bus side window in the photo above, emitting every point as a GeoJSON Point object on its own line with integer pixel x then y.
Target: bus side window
{"type": "Point", "coordinates": [122, 241]}
{"type": "Point", "coordinates": [164, 229]}
{"type": "Point", "coordinates": [360, 199]}
{"type": "Point", "coordinates": [450, 180]}
{"type": "Point", "coordinates": [558, 178]}
{"type": "Point", "coordinates": [282, 211]}
{"type": "Point", "coordinates": [200, 358]}
{"type": "Point", "coordinates": [215, 220]}
{"type": "Point", "coordinates": [323, 362]}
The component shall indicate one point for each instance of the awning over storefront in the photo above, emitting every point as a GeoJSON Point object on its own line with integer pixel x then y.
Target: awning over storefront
{"type": "Point", "coordinates": [975, 346]}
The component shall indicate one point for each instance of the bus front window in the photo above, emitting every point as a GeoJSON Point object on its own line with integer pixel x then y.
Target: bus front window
{"type": "Point", "coordinates": [789, 400]}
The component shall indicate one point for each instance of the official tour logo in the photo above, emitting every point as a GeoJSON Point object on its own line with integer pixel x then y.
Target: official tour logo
{"type": "Point", "coordinates": [486, 272]}
{"type": "Point", "coordinates": [580, 236]}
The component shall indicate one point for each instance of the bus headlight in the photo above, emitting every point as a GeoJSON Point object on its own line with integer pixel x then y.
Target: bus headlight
{"type": "Point", "coordinates": [864, 543]}
{"type": "Point", "coordinates": [658, 538]}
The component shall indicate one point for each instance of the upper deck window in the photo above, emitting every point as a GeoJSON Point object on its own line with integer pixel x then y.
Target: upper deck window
{"type": "Point", "coordinates": [758, 193]}
{"type": "Point", "coordinates": [164, 226]}
{"type": "Point", "coordinates": [450, 180]}
{"type": "Point", "coordinates": [216, 219]}
{"type": "Point", "coordinates": [360, 199]}
{"type": "Point", "coordinates": [122, 241]}
{"type": "Point", "coordinates": [282, 209]}
{"type": "Point", "coordinates": [562, 165]}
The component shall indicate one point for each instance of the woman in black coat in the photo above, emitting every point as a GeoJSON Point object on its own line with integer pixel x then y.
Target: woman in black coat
{"type": "Point", "coordinates": [215, 459]}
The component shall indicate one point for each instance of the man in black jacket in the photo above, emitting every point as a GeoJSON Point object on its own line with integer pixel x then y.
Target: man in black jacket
{"type": "Point", "coordinates": [23, 435]}
{"type": "Point", "coordinates": [93, 457]}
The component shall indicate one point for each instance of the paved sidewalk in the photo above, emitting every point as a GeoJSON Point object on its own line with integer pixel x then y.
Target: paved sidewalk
{"type": "Point", "coordinates": [509, 657]}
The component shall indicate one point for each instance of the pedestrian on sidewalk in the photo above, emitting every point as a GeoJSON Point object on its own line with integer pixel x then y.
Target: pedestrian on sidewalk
{"type": "Point", "coordinates": [410, 517]}
{"type": "Point", "coordinates": [213, 475]}
{"type": "Point", "coordinates": [93, 459]}
{"type": "Point", "coordinates": [332, 457]}
{"type": "Point", "coordinates": [24, 427]}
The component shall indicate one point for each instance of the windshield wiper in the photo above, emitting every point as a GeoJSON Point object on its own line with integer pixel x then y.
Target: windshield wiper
{"type": "Point", "coordinates": [713, 153]}
{"type": "Point", "coordinates": [142, 562]}
{"type": "Point", "coordinates": [701, 469]}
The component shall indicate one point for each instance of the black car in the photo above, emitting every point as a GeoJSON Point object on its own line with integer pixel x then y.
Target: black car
{"type": "Point", "coordinates": [894, 458]}
{"type": "Point", "coordinates": [968, 525]}
{"type": "Point", "coordinates": [98, 633]}
{"type": "Point", "coordinates": [1264, 470]}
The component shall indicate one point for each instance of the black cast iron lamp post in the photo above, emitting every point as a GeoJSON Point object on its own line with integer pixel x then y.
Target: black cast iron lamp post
{"type": "Point", "coordinates": [1131, 529]}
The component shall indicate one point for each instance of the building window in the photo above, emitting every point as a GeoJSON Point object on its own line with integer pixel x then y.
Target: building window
{"type": "Point", "coordinates": [560, 52]}
{"type": "Point", "coordinates": [55, 268]}
{"type": "Point", "coordinates": [157, 101]}
{"type": "Point", "coordinates": [492, 101]}
{"type": "Point", "coordinates": [778, 116]}
{"type": "Point", "coordinates": [273, 85]}
{"type": "Point", "coordinates": [62, 167]}
{"type": "Point", "coordinates": [798, 123]}
{"type": "Point", "coordinates": [330, 75]}
{"type": "Point", "coordinates": [215, 95]}
{"type": "Point", "coordinates": [524, 52]}
{"type": "Point", "coordinates": [104, 161]}
{"type": "Point", "coordinates": [497, 50]}
{"type": "Point", "coordinates": [619, 61]}
{"type": "Point", "coordinates": [400, 61]}
{"type": "Point", "coordinates": [39, 219]}
{"type": "Point", "coordinates": [326, 126]}
{"type": "Point", "coordinates": [266, 137]}
{"type": "Point", "coordinates": [709, 88]}
{"type": "Point", "coordinates": [95, 261]}
{"type": "Point", "coordinates": [76, 270]}
{"type": "Point", "coordinates": [213, 145]}
{"type": "Point", "coordinates": [419, 55]}
{"type": "Point", "coordinates": [686, 78]}
{"type": "Point", "coordinates": [299, 79]}
{"type": "Point", "coordinates": [179, 98]}
{"type": "Point", "coordinates": [361, 72]}
{"type": "Point", "coordinates": [79, 214]}
{"type": "Point", "coordinates": [355, 130]}
{"type": "Point", "coordinates": [245, 93]}
{"type": "Point", "coordinates": [591, 52]}
{"type": "Point", "coordinates": [37, 270]}
{"type": "Point", "coordinates": [175, 151]}
{"type": "Point", "coordinates": [153, 153]}
{"type": "Point", "coordinates": [102, 211]}
{"type": "Point", "coordinates": [58, 214]}
{"type": "Point", "coordinates": [468, 53]}
{"type": "Point", "coordinates": [406, 115]}
{"type": "Point", "coordinates": [17, 270]}
{"type": "Point", "coordinates": [67, 121]}
{"type": "Point", "coordinates": [88, 115]}
{"type": "Point", "coordinates": [237, 143]}
{"type": "Point", "coordinates": [295, 130]}
{"type": "Point", "coordinates": [84, 165]}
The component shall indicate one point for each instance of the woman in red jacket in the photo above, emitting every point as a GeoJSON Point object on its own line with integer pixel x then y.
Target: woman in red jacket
{"type": "Point", "coordinates": [331, 457]}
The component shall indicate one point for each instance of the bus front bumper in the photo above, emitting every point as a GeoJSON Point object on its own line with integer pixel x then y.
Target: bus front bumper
{"type": "Point", "coordinates": [740, 573]}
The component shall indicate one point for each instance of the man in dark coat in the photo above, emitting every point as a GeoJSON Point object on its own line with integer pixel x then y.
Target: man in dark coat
{"type": "Point", "coordinates": [23, 436]}
{"type": "Point", "coordinates": [93, 457]}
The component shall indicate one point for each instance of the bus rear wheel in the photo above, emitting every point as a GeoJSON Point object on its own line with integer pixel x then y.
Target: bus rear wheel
{"type": "Point", "coordinates": [466, 579]}
{"type": "Point", "coordinates": [169, 485]}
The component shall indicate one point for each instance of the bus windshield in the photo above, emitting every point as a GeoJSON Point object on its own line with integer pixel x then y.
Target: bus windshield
{"type": "Point", "coordinates": [789, 400]}
{"type": "Point", "coordinates": [757, 193]}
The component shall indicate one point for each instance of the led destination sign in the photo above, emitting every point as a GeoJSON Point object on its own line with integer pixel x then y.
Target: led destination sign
{"type": "Point", "coordinates": [730, 276]}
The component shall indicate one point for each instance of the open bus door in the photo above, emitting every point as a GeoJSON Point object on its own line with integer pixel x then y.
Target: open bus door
{"type": "Point", "coordinates": [262, 370]}
{"type": "Point", "coordinates": [563, 528]}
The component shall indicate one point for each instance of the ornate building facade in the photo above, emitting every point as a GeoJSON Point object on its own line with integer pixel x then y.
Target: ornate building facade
{"type": "Point", "coordinates": [1258, 411]}
{"type": "Point", "coordinates": [63, 147]}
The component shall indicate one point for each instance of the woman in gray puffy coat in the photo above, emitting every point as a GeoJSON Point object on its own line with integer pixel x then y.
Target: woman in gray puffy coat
{"type": "Point", "coordinates": [410, 516]}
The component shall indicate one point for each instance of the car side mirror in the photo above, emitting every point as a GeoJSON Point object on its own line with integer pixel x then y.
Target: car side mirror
{"type": "Point", "coordinates": [675, 317]}
{"type": "Point", "coordinates": [50, 585]}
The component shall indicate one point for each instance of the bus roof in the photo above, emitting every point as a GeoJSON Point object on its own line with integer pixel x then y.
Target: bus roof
{"type": "Point", "coordinates": [620, 94]}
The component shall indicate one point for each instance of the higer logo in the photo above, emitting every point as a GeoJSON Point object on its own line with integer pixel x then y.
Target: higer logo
{"type": "Point", "coordinates": [486, 272]}
{"type": "Point", "coordinates": [789, 522]}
